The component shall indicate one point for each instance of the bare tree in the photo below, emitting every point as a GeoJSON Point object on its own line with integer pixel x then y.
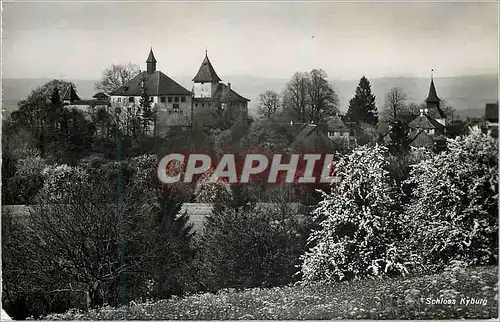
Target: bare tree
{"type": "Point", "coordinates": [309, 97]}
{"type": "Point", "coordinates": [296, 98]}
{"type": "Point", "coordinates": [269, 104]}
{"type": "Point", "coordinates": [395, 104]}
{"type": "Point", "coordinates": [116, 76]}
{"type": "Point", "coordinates": [322, 97]}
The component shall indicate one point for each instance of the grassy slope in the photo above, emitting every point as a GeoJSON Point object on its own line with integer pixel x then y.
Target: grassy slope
{"type": "Point", "coordinates": [369, 299]}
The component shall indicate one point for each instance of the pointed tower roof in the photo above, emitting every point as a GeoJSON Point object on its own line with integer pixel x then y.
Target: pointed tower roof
{"type": "Point", "coordinates": [70, 94]}
{"type": "Point", "coordinates": [432, 97]}
{"type": "Point", "coordinates": [206, 73]}
{"type": "Point", "coordinates": [151, 57]}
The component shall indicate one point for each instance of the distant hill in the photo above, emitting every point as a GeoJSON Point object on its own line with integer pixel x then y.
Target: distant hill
{"type": "Point", "coordinates": [468, 94]}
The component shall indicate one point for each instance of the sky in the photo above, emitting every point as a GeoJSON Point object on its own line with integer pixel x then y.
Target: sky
{"type": "Point", "coordinates": [78, 40]}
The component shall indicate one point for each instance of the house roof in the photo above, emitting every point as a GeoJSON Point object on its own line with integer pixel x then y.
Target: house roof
{"type": "Point", "coordinates": [335, 124]}
{"type": "Point", "coordinates": [421, 138]}
{"type": "Point", "coordinates": [491, 112]}
{"type": "Point", "coordinates": [157, 84]}
{"type": "Point", "coordinates": [206, 73]}
{"type": "Point", "coordinates": [308, 130]}
{"type": "Point", "coordinates": [70, 94]}
{"type": "Point", "coordinates": [101, 96]}
{"type": "Point", "coordinates": [229, 95]}
{"type": "Point", "coordinates": [424, 121]}
{"type": "Point", "coordinates": [225, 94]}
{"type": "Point", "coordinates": [432, 97]}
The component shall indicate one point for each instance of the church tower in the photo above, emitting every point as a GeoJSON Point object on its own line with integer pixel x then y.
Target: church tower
{"type": "Point", "coordinates": [151, 62]}
{"type": "Point", "coordinates": [206, 80]}
{"type": "Point", "coordinates": [433, 102]}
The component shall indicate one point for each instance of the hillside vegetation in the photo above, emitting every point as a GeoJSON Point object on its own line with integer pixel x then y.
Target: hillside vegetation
{"type": "Point", "coordinates": [399, 298]}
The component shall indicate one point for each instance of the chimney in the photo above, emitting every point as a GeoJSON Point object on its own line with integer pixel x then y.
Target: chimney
{"type": "Point", "coordinates": [426, 111]}
{"type": "Point", "coordinates": [421, 111]}
{"type": "Point", "coordinates": [229, 85]}
{"type": "Point", "coordinates": [291, 122]}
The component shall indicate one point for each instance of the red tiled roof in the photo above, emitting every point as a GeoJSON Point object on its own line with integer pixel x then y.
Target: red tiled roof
{"type": "Point", "coordinates": [157, 84]}
{"type": "Point", "coordinates": [206, 73]}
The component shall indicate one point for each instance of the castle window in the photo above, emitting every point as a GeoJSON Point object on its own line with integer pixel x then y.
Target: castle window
{"type": "Point", "coordinates": [183, 98]}
{"type": "Point", "coordinates": [119, 99]}
{"type": "Point", "coordinates": [163, 99]}
{"type": "Point", "coordinates": [196, 105]}
{"type": "Point", "coordinates": [176, 99]}
{"type": "Point", "coordinates": [202, 105]}
{"type": "Point", "coordinates": [170, 99]}
{"type": "Point", "coordinates": [131, 99]}
{"type": "Point", "coordinates": [176, 107]}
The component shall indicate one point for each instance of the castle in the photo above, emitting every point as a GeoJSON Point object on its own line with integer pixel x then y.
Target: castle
{"type": "Point", "coordinates": [174, 104]}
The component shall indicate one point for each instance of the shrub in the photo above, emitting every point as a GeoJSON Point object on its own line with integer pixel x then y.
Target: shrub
{"type": "Point", "coordinates": [362, 231]}
{"type": "Point", "coordinates": [247, 246]}
{"type": "Point", "coordinates": [454, 209]}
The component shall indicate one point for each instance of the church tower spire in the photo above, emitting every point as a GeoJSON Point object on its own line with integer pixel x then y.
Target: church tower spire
{"type": "Point", "coordinates": [151, 62]}
{"type": "Point", "coordinates": [433, 101]}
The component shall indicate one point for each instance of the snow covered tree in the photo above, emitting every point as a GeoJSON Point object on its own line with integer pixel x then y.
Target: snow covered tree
{"type": "Point", "coordinates": [361, 233]}
{"type": "Point", "coordinates": [454, 211]}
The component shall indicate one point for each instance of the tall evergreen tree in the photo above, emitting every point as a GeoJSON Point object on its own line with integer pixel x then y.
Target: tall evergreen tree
{"type": "Point", "coordinates": [362, 106]}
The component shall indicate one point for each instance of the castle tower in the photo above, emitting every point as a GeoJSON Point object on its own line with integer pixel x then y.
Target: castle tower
{"type": "Point", "coordinates": [206, 80]}
{"type": "Point", "coordinates": [151, 62]}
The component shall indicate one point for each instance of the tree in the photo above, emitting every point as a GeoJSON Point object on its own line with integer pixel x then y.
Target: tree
{"type": "Point", "coordinates": [362, 106]}
{"type": "Point", "coordinates": [147, 116]}
{"type": "Point", "coordinates": [395, 105]}
{"type": "Point", "coordinates": [116, 76]}
{"type": "Point", "coordinates": [361, 233]}
{"type": "Point", "coordinates": [269, 104]}
{"type": "Point", "coordinates": [309, 97]}
{"type": "Point", "coordinates": [322, 97]}
{"type": "Point", "coordinates": [399, 138]}
{"type": "Point", "coordinates": [250, 247]}
{"type": "Point", "coordinates": [454, 208]}
{"type": "Point", "coordinates": [82, 240]}
{"type": "Point", "coordinates": [41, 114]}
{"type": "Point", "coordinates": [296, 98]}
{"type": "Point", "coordinates": [264, 135]}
